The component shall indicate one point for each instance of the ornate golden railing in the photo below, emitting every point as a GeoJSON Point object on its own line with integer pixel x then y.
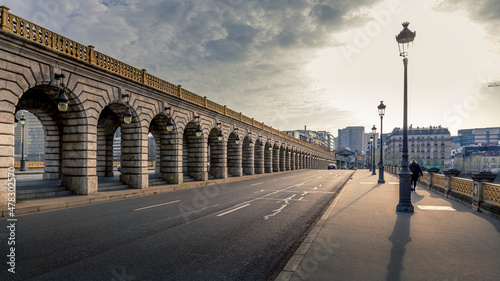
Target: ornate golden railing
{"type": "Point", "coordinates": [462, 185]}
{"type": "Point", "coordinates": [20, 27]}
{"type": "Point", "coordinates": [438, 180]}
{"type": "Point", "coordinates": [491, 193]}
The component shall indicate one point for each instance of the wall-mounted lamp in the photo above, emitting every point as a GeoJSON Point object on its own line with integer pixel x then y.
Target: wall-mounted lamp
{"type": "Point", "coordinates": [237, 141]}
{"type": "Point", "coordinates": [170, 123]}
{"type": "Point", "coordinates": [127, 116]}
{"type": "Point", "coordinates": [270, 147]}
{"type": "Point", "coordinates": [220, 136]}
{"type": "Point", "coordinates": [250, 143]}
{"type": "Point", "coordinates": [62, 99]}
{"type": "Point", "coordinates": [198, 130]}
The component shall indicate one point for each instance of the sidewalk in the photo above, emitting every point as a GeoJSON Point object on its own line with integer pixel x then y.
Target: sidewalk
{"type": "Point", "coordinates": [361, 237]}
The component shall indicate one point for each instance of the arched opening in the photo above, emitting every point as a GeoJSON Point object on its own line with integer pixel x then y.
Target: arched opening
{"type": "Point", "coordinates": [161, 151]}
{"type": "Point", "coordinates": [194, 160]}
{"type": "Point", "coordinates": [259, 157]}
{"type": "Point", "coordinates": [110, 141]}
{"type": "Point", "coordinates": [234, 165]}
{"type": "Point", "coordinates": [248, 156]}
{"type": "Point", "coordinates": [216, 155]}
{"type": "Point", "coordinates": [57, 144]}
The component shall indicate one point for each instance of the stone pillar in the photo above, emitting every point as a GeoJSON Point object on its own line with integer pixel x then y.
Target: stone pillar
{"type": "Point", "coordinates": [259, 158]}
{"type": "Point", "coordinates": [448, 174]}
{"type": "Point", "coordinates": [287, 160]}
{"type": "Point", "coordinates": [197, 157]}
{"type": "Point", "coordinates": [79, 145]}
{"type": "Point", "coordinates": [234, 156]}
{"type": "Point", "coordinates": [171, 158]}
{"type": "Point", "coordinates": [134, 158]}
{"type": "Point", "coordinates": [282, 160]}
{"type": "Point", "coordinates": [292, 161]}
{"type": "Point", "coordinates": [218, 158]}
{"type": "Point", "coordinates": [268, 159]}
{"type": "Point", "coordinates": [431, 171]}
{"type": "Point", "coordinates": [248, 159]}
{"type": "Point", "coordinates": [276, 159]}
{"type": "Point", "coordinates": [6, 151]}
{"type": "Point", "coordinates": [477, 193]}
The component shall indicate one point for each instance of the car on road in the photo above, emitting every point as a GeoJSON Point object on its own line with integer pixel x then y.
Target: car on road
{"type": "Point", "coordinates": [332, 166]}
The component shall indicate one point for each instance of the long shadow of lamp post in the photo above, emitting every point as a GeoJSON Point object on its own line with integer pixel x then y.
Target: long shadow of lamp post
{"type": "Point", "coordinates": [404, 38]}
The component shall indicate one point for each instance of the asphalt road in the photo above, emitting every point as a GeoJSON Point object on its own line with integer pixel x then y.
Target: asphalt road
{"type": "Point", "coordinates": [235, 231]}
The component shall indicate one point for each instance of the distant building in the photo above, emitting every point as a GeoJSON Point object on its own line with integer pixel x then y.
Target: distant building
{"type": "Point", "coordinates": [479, 136]}
{"type": "Point", "coordinates": [352, 137]}
{"type": "Point", "coordinates": [429, 146]}
{"type": "Point", "coordinates": [322, 139]}
{"type": "Point", "coordinates": [34, 138]}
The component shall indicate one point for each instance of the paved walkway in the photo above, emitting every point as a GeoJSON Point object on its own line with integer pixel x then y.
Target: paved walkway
{"type": "Point", "coordinates": [361, 237]}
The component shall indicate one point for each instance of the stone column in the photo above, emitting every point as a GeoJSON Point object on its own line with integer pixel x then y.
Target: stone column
{"type": "Point", "coordinates": [477, 193]}
{"type": "Point", "coordinates": [282, 160]}
{"type": "Point", "coordinates": [6, 150]}
{"type": "Point", "coordinates": [268, 159]}
{"type": "Point", "coordinates": [259, 158]}
{"type": "Point", "coordinates": [171, 158]}
{"type": "Point", "coordinates": [197, 157]}
{"type": "Point", "coordinates": [134, 157]}
{"type": "Point", "coordinates": [448, 174]}
{"type": "Point", "coordinates": [218, 158]}
{"type": "Point", "coordinates": [234, 156]}
{"type": "Point", "coordinates": [248, 159]}
{"type": "Point", "coordinates": [429, 175]}
{"type": "Point", "coordinates": [276, 159]}
{"type": "Point", "coordinates": [79, 144]}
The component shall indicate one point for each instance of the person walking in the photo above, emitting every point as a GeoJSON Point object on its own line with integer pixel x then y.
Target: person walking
{"type": "Point", "coordinates": [416, 172]}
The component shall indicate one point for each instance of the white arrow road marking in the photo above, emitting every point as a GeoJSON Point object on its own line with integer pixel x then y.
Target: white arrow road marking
{"type": "Point", "coordinates": [157, 205]}
{"type": "Point", "coordinates": [275, 212]}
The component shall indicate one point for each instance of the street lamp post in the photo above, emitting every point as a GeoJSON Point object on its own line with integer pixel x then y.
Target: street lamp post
{"type": "Point", "coordinates": [404, 38]}
{"type": "Point", "coordinates": [381, 112]}
{"type": "Point", "coordinates": [370, 153]}
{"type": "Point", "coordinates": [22, 121]}
{"type": "Point", "coordinates": [374, 148]}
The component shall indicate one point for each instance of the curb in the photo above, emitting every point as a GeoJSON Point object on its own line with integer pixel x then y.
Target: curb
{"type": "Point", "coordinates": [49, 204]}
{"type": "Point", "coordinates": [294, 262]}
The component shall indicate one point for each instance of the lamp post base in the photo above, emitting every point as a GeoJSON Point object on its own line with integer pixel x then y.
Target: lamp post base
{"type": "Point", "coordinates": [404, 192]}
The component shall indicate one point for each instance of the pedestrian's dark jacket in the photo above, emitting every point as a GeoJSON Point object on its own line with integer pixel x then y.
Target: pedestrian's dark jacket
{"type": "Point", "coordinates": [415, 170]}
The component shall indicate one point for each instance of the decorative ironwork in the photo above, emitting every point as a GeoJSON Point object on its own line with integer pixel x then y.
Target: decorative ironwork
{"type": "Point", "coordinates": [491, 193]}
{"type": "Point", "coordinates": [462, 185]}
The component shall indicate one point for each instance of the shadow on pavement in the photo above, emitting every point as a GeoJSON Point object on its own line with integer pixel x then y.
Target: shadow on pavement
{"type": "Point", "coordinates": [400, 237]}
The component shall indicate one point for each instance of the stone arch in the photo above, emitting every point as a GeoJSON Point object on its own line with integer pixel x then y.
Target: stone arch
{"type": "Point", "coordinates": [167, 148]}
{"type": "Point", "coordinates": [39, 104]}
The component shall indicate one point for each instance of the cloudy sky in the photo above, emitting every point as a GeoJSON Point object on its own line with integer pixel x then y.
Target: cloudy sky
{"type": "Point", "coordinates": [324, 64]}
